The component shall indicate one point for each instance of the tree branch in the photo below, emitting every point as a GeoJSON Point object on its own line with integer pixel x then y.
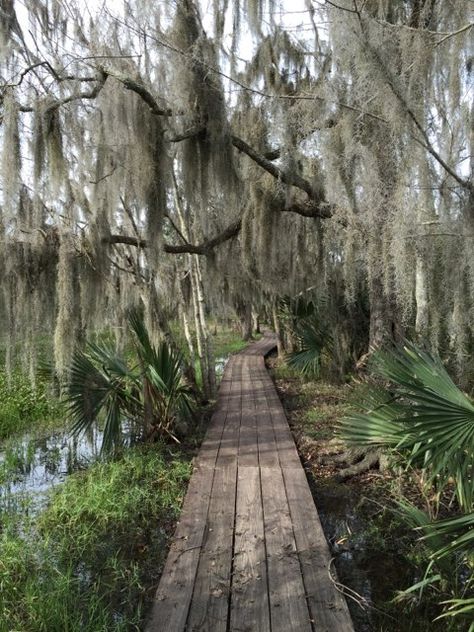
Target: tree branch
{"type": "Point", "coordinates": [47, 65]}
{"type": "Point", "coordinates": [311, 208]}
{"type": "Point", "coordinates": [205, 248]}
{"type": "Point", "coordinates": [190, 133]}
{"type": "Point", "coordinates": [425, 140]}
{"type": "Point", "coordinates": [288, 178]}
{"type": "Point", "coordinates": [307, 209]}
{"type": "Point", "coordinates": [142, 91]}
{"type": "Point", "coordinates": [466, 27]}
{"type": "Point", "coordinates": [272, 154]}
{"type": "Point", "coordinates": [91, 94]}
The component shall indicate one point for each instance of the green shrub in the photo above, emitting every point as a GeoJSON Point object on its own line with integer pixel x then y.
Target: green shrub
{"type": "Point", "coordinates": [92, 561]}
{"type": "Point", "coordinates": [23, 407]}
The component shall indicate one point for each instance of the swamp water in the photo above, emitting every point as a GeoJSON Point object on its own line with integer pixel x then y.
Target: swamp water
{"type": "Point", "coordinates": [375, 573]}
{"type": "Point", "coordinates": [30, 466]}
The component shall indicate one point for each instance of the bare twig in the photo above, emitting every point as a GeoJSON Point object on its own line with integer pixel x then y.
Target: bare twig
{"type": "Point", "coordinates": [59, 78]}
{"type": "Point", "coordinates": [92, 94]}
{"type": "Point", "coordinates": [104, 177]}
{"type": "Point", "coordinates": [337, 6]}
{"type": "Point", "coordinates": [466, 27]}
{"type": "Point", "coordinates": [360, 600]}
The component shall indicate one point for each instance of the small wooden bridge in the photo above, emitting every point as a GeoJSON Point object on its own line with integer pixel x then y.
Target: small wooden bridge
{"type": "Point", "coordinates": [249, 553]}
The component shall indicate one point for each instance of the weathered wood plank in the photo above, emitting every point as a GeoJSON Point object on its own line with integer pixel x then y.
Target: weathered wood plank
{"type": "Point", "coordinates": [267, 447]}
{"type": "Point", "coordinates": [172, 600]}
{"type": "Point", "coordinates": [288, 607]}
{"type": "Point", "coordinates": [173, 597]}
{"type": "Point", "coordinates": [210, 601]}
{"type": "Point", "coordinates": [327, 606]}
{"type": "Point", "coordinates": [229, 444]}
{"type": "Point", "coordinates": [249, 552]}
{"type": "Point", "coordinates": [262, 347]}
{"type": "Point", "coordinates": [248, 446]}
{"type": "Point", "coordinates": [212, 441]}
{"type": "Point", "coordinates": [286, 447]}
{"type": "Point", "coordinates": [249, 608]}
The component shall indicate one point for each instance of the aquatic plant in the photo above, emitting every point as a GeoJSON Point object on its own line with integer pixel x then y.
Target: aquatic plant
{"type": "Point", "coordinates": [91, 559]}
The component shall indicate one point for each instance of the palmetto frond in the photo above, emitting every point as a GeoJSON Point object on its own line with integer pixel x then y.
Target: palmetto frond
{"type": "Point", "coordinates": [314, 339]}
{"type": "Point", "coordinates": [426, 417]}
{"type": "Point", "coordinates": [162, 373]}
{"type": "Point", "coordinates": [100, 382]}
{"type": "Point", "coordinates": [457, 535]}
{"type": "Point", "coordinates": [423, 414]}
{"type": "Point", "coordinates": [450, 543]}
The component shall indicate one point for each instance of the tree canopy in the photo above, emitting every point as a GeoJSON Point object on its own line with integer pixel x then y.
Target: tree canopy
{"type": "Point", "coordinates": [223, 155]}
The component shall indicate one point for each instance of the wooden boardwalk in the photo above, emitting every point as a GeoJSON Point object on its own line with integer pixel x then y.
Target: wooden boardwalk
{"type": "Point", "coordinates": [249, 553]}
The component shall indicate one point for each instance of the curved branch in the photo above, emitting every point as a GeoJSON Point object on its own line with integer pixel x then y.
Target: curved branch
{"type": "Point", "coordinates": [424, 141]}
{"type": "Point", "coordinates": [288, 178]}
{"type": "Point", "coordinates": [142, 92]}
{"type": "Point", "coordinates": [55, 74]}
{"type": "Point", "coordinates": [313, 209]}
{"type": "Point", "coordinates": [205, 248]}
{"type": "Point", "coordinates": [91, 94]}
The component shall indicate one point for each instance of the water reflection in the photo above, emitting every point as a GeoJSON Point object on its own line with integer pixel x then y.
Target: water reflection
{"type": "Point", "coordinates": [31, 466]}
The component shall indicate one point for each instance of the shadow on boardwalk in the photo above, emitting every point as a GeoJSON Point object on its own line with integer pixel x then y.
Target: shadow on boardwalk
{"type": "Point", "coordinates": [249, 553]}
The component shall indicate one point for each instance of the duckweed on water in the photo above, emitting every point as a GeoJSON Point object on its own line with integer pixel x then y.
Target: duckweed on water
{"type": "Point", "coordinates": [92, 560]}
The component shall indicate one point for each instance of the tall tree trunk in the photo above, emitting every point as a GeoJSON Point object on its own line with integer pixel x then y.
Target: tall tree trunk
{"type": "Point", "coordinates": [203, 339]}
{"type": "Point", "coordinates": [277, 328]}
{"type": "Point", "coordinates": [256, 322]}
{"type": "Point", "coordinates": [190, 372]}
{"type": "Point", "coordinates": [421, 297]}
{"type": "Point", "coordinates": [202, 355]}
{"type": "Point", "coordinates": [211, 365]}
{"type": "Point", "coordinates": [244, 312]}
{"type": "Point", "coordinates": [380, 321]}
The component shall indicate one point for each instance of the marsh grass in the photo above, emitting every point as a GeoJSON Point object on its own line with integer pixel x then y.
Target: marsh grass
{"type": "Point", "coordinates": [26, 408]}
{"type": "Point", "coordinates": [226, 341]}
{"type": "Point", "coordinates": [91, 560]}
{"type": "Point", "coordinates": [17, 459]}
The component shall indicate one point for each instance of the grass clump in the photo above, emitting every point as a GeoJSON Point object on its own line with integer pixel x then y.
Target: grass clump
{"type": "Point", "coordinates": [227, 341]}
{"type": "Point", "coordinates": [92, 560]}
{"type": "Point", "coordinates": [24, 407]}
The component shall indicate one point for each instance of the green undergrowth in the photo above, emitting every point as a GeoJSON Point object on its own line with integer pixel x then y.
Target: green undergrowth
{"type": "Point", "coordinates": [323, 406]}
{"type": "Point", "coordinates": [314, 406]}
{"type": "Point", "coordinates": [91, 560]}
{"type": "Point", "coordinates": [24, 408]}
{"type": "Point", "coordinates": [226, 341]}
{"type": "Point", "coordinates": [377, 554]}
